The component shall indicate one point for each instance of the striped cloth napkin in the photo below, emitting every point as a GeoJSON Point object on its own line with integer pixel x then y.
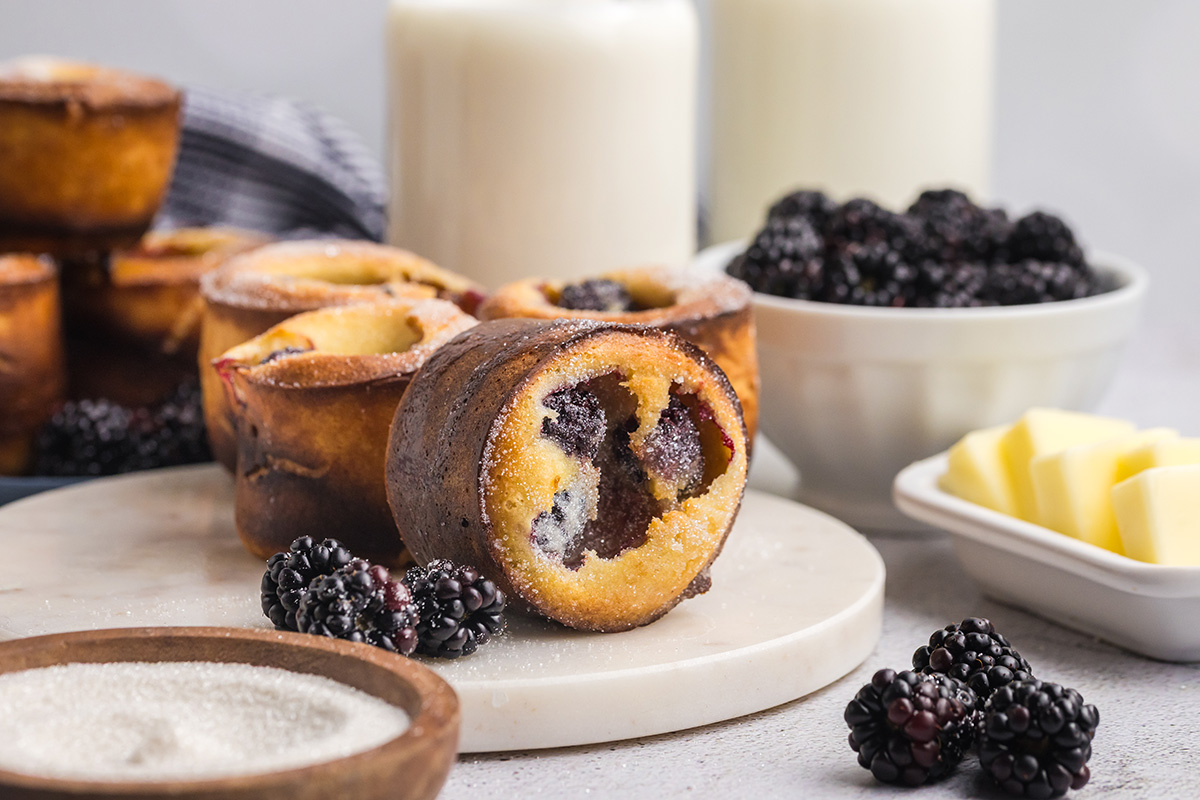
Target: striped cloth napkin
{"type": "Point", "coordinates": [272, 165]}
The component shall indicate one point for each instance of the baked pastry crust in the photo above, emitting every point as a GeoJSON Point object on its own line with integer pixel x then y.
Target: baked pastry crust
{"type": "Point", "coordinates": [86, 154]}
{"type": "Point", "coordinates": [256, 290]}
{"type": "Point", "coordinates": [148, 295]}
{"type": "Point", "coordinates": [472, 475]}
{"type": "Point", "coordinates": [32, 378]}
{"type": "Point", "coordinates": [313, 399]}
{"type": "Point", "coordinates": [713, 313]}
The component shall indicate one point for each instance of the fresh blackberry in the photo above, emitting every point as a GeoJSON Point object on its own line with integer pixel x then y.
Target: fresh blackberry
{"type": "Point", "coordinates": [99, 437]}
{"type": "Point", "coordinates": [596, 295]}
{"type": "Point", "coordinates": [289, 574]}
{"type": "Point", "coordinates": [1043, 237]}
{"type": "Point", "coordinates": [973, 653]}
{"type": "Point", "coordinates": [957, 230]}
{"type": "Point", "coordinates": [814, 207]}
{"type": "Point", "coordinates": [1032, 281]}
{"type": "Point", "coordinates": [861, 221]}
{"type": "Point", "coordinates": [911, 728]}
{"type": "Point", "coordinates": [869, 275]}
{"type": "Point", "coordinates": [459, 609]}
{"type": "Point", "coordinates": [784, 259]}
{"type": "Point", "coordinates": [942, 285]}
{"type": "Point", "coordinates": [360, 603]}
{"type": "Point", "coordinates": [579, 421]}
{"type": "Point", "coordinates": [1036, 738]}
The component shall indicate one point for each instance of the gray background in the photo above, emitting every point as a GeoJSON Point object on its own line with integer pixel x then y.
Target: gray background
{"type": "Point", "coordinates": [1098, 101]}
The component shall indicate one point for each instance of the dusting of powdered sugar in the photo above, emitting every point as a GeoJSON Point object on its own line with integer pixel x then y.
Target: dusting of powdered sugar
{"type": "Point", "coordinates": [135, 721]}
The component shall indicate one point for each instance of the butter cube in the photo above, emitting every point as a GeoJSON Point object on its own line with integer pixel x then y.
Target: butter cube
{"type": "Point", "coordinates": [977, 473]}
{"type": "Point", "coordinates": [1158, 512]}
{"type": "Point", "coordinates": [1073, 487]}
{"type": "Point", "coordinates": [1172, 452]}
{"type": "Point", "coordinates": [1042, 431]}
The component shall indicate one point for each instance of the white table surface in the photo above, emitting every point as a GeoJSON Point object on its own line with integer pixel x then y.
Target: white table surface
{"type": "Point", "coordinates": [1147, 745]}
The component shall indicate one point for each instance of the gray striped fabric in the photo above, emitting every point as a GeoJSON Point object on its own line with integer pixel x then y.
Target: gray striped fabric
{"type": "Point", "coordinates": [272, 165]}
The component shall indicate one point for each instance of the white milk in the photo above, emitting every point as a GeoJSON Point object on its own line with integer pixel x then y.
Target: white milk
{"type": "Point", "coordinates": [859, 97]}
{"type": "Point", "coordinates": [543, 137]}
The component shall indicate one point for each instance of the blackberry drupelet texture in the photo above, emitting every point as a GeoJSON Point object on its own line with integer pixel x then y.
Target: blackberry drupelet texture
{"type": "Point", "coordinates": [459, 609]}
{"type": "Point", "coordinates": [579, 422]}
{"type": "Point", "coordinates": [814, 207]}
{"type": "Point", "coordinates": [360, 603]}
{"type": "Point", "coordinates": [99, 437]}
{"type": "Point", "coordinates": [596, 295]}
{"type": "Point", "coordinates": [911, 728]}
{"type": "Point", "coordinates": [289, 574]}
{"type": "Point", "coordinates": [972, 652]}
{"type": "Point", "coordinates": [1036, 739]}
{"type": "Point", "coordinates": [944, 252]}
{"type": "Point", "coordinates": [1043, 237]}
{"type": "Point", "coordinates": [785, 258]}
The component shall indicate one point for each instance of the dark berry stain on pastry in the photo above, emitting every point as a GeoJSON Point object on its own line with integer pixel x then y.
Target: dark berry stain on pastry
{"type": "Point", "coordinates": [596, 295]}
{"type": "Point", "coordinates": [284, 353]}
{"type": "Point", "coordinates": [594, 421]}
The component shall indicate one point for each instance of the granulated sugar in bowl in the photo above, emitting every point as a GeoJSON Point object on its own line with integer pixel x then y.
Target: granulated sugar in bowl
{"type": "Point", "coordinates": [188, 720]}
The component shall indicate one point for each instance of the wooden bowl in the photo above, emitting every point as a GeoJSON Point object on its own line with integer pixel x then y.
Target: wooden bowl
{"type": "Point", "coordinates": [411, 766]}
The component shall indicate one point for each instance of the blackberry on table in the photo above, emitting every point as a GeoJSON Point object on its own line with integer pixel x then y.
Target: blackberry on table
{"type": "Point", "coordinates": [1036, 738]}
{"type": "Point", "coordinates": [1043, 237]}
{"type": "Point", "coordinates": [599, 294]}
{"type": "Point", "coordinates": [289, 574]}
{"type": "Point", "coordinates": [911, 728]}
{"type": "Point", "coordinates": [974, 653]}
{"type": "Point", "coordinates": [814, 207]}
{"type": "Point", "coordinates": [360, 603]}
{"type": "Point", "coordinates": [784, 259]}
{"type": "Point", "coordinates": [99, 437]}
{"type": "Point", "coordinates": [459, 609]}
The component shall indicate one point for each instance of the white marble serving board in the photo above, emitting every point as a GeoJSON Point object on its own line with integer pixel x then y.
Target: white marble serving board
{"type": "Point", "coordinates": [796, 603]}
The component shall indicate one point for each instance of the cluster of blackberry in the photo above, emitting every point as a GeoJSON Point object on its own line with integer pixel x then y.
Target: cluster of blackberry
{"type": "Point", "coordinates": [440, 610]}
{"type": "Point", "coordinates": [943, 252]}
{"type": "Point", "coordinates": [968, 686]}
{"type": "Point", "coordinates": [99, 437]}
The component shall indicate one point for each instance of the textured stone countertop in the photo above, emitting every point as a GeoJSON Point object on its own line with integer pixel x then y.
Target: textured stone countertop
{"type": "Point", "coordinates": [1147, 744]}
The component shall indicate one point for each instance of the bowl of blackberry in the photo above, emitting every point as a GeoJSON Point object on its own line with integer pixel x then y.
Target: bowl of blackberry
{"type": "Point", "coordinates": [90, 438]}
{"type": "Point", "coordinates": [884, 336]}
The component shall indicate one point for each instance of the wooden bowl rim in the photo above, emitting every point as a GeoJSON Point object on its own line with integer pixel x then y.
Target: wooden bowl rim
{"type": "Point", "coordinates": [438, 709]}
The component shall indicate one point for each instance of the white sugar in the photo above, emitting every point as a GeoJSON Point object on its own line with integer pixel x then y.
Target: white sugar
{"type": "Point", "coordinates": [183, 720]}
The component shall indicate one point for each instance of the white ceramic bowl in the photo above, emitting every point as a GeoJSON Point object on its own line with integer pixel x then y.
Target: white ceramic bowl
{"type": "Point", "coordinates": [1147, 608]}
{"type": "Point", "coordinates": [851, 395]}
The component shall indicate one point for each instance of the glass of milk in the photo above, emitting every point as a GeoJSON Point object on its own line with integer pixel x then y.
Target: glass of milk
{"type": "Point", "coordinates": [543, 137]}
{"type": "Point", "coordinates": [857, 97]}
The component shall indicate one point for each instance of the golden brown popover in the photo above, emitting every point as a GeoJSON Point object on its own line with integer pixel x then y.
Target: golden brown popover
{"type": "Point", "coordinates": [312, 400]}
{"type": "Point", "coordinates": [32, 379]}
{"type": "Point", "coordinates": [592, 470]}
{"type": "Point", "coordinates": [148, 295]}
{"type": "Point", "coordinates": [86, 154]}
{"type": "Point", "coordinates": [256, 290]}
{"type": "Point", "coordinates": [712, 313]}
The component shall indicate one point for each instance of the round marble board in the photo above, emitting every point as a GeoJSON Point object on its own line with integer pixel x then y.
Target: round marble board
{"type": "Point", "coordinates": [796, 603]}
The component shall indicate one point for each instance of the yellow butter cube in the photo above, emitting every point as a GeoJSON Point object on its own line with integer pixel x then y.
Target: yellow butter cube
{"type": "Point", "coordinates": [976, 471]}
{"type": "Point", "coordinates": [1158, 513]}
{"type": "Point", "coordinates": [1073, 487]}
{"type": "Point", "coordinates": [1042, 431]}
{"type": "Point", "coordinates": [1172, 452]}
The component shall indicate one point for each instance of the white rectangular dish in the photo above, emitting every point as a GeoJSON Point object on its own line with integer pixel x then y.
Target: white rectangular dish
{"type": "Point", "coordinates": [1147, 608]}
